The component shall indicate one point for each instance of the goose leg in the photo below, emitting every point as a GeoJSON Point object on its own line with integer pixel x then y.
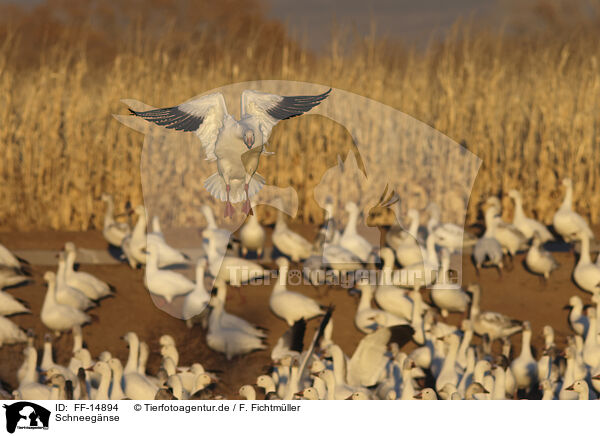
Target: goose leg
{"type": "Point", "coordinates": [247, 207]}
{"type": "Point", "coordinates": [228, 206]}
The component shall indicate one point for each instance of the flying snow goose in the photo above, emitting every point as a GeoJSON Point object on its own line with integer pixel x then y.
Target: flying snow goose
{"type": "Point", "coordinates": [448, 298]}
{"type": "Point", "coordinates": [10, 333]}
{"type": "Point", "coordinates": [494, 324]}
{"type": "Point", "coordinates": [235, 145]}
{"type": "Point", "coordinates": [586, 274]}
{"type": "Point", "coordinates": [165, 283]}
{"type": "Point", "coordinates": [288, 242]}
{"type": "Point", "coordinates": [9, 260]}
{"type": "Point", "coordinates": [350, 239]}
{"type": "Point", "coordinates": [196, 301]}
{"type": "Point", "coordinates": [527, 225]}
{"type": "Point", "coordinates": [566, 221]}
{"type": "Point", "coordinates": [59, 317]}
{"type": "Point", "coordinates": [10, 305]}
{"type": "Point", "coordinates": [448, 235]}
{"type": "Point", "coordinates": [252, 236]}
{"type": "Point", "coordinates": [90, 286]}
{"type": "Point", "coordinates": [113, 231]}
{"type": "Point", "coordinates": [288, 305]}
{"type": "Point", "coordinates": [538, 260]}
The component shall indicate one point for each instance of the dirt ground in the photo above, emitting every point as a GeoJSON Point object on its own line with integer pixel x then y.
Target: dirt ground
{"type": "Point", "coordinates": [517, 293]}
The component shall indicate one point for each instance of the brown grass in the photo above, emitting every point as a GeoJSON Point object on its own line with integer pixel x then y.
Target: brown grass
{"type": "Point", "coordinates": [526, 102]}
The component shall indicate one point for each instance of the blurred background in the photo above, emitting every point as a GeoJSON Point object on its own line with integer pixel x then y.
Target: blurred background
{"type": "Point", "coordinates": [515, 82]}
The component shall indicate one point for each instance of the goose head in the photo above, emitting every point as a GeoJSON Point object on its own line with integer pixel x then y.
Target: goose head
{"type": "Point", "coordinates": [105, 356]}
{"type": "Point", "coordinates": [317, 367]}
{"type": "Point", "coordinates": [567, 182]}
{"type": "Point", "coordinates": [266, 382]}
{"type": "Point", "coordinates": [413, 214]}
{"type": "Point", "coordinates": [387, 255]}
{"type": "Point", "coordinates": [358, 396]}
{"type": "Point", "coordinates": [70, 247]}
{"type": "Point", "coordinates": [282, 262]}
{"type": "Point", "coordinates": [309, 393]}
{"type": "Point", "coordinates": [514, 194]}
{"type": "Point", "coordinates": [351, 207]}
{"type": "Point", "coordinates": [130, 337]}
{"type": "Point", "coordinates": [475, 388]}
{"type": "Point", "coordinates": [101, 368]}
{"type": "Point", "coordinates": [166, 340]}
{"type": "Point", "coordinates": [574, 303]}
{"type": "Point", "coordinates": [578, 386]}
{"type": "Point", "coordinates": [493, 201]}
{"type": "Point", "coordinates": [248, 137]}
{"type": "Point", "coordinates": [115, 365]}
{"type": "Point", "coordinates": [106, 197]}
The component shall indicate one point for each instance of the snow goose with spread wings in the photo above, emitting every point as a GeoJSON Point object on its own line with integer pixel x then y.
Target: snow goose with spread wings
{"type": "Point", "coordinates": [235, 145]}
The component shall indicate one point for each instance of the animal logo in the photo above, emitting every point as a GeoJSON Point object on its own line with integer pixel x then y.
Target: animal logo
{"type": "Point", "coordinates": [26, 415]}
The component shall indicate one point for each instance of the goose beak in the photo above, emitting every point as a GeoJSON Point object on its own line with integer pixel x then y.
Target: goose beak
{"type": "Point", "coordinates": [418, 396]}
{"type": "Point", "coordinates": [349, 398]}
{"type": "Point", "coordinates": [299, 394]}
{"type": "Point", "coordinates": [570, 388]}
{"type": "Point", "coordinates": [596, 377]}
{"type": "Point", "coordinates": [485, 391]}
{"type": "Point", "coordinates": [567, 307]}
{"type": "Point", "coordinates": [91, 368]}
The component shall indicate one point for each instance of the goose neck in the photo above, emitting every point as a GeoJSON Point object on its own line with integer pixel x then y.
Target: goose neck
{"type": "Point", "coordinates": [132, 359]}
{"type": "Point", "coordinates": [567, 203]}
{"type": "Point", "coordinates": [585, 257]}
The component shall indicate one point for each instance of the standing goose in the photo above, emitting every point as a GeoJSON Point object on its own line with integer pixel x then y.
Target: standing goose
{"type": "Point", "coordinates": [448, 235]}
{"type": "Point", "coordinates": [494, 324]}
{"type": "Point", "coordinates": [420, 274]}
{"type": "Point", "coordinates": [538, 260]}
{"type": "Point", "coordinates": [487, 250]}
{"type": "Point", "coordinates": [448, 298]}
{"type": "Point", "coordinates": [408, 249]}
{"type": "Point", "coordinates": [524, 367]}
{"type": "Point", "coordinates": [231, 269]}
{"type": "Point", "coordinates": [527, 225]}
{"type": "Point", "coordinates": [566, 221]}
{"type": "Point", "coordinates": [252, 237]}
{"type": "Point", "coordinates": [448, 374]}
{"type": "Point", "coordinates": [165, 283]}
{"type": "Point", "coordinates": [350, 239]}
{"type": "Point", "coordinates": [367, 319]}
{"type": "Point", "coordinates": [220, 236]}
{"type": "Point", "coordinates": [577, 320]}
{"type": "Point", "coordinates": [136, 386]}
{"type": "Point", "coordinates": [510, 238]}
{"type": "Point", "coordinates": [86, 283]}
{"type": "Point", "coordinates": [288, 242]}
{"type": "Point", "coordinates": [235, 145]}
{"type": "Point", "coordinates": [586, 274]}
{"type": "Point", "coordinates": [113, 231]}
{"type": "Point", "coordinates": [59, 317]}
{"type": "Point", "coordinates": [66, 294]}
{"type": "Point", "coordinates": [288, 305]}
{"type": "Point", "coordinates": [167, 255]}
{"type": "Point", "coordinates": [196, 301]}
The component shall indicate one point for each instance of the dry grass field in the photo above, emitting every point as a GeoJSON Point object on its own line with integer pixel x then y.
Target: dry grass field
{"type": "Point", "coordinates": [524, 100]}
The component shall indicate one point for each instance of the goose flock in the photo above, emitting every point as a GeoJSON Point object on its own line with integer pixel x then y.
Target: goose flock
{"type": "Point", "coordinates": [408, 347]}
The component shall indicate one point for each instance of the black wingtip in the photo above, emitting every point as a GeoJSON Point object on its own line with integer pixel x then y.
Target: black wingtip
{"type": "Point", "coordinates": [132, 112]}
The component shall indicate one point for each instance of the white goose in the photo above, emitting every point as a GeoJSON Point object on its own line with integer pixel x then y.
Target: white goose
{"type": "Point", "coordinates": [577, 320]}
{"type": "Point", "coordinates": [229, 320]}
{"type": "Point", "coordinates": [448, 299]}
{"type": "Point", "coordinates": [59, 317]}
{"type": "Point", "coordinates": [196, 301]}
{"type": "Point", "coordinates": [90, 286]}
{"type": "Point", "coordinates": [448, 235]}
{"type": "Point", "coordinates": [231, 269]}
{"type": "Point", "coordinates": [494, 324]}
{"type": "Point", "coordinates": [448, 373]}
{"type": "Point", "coordinates": [510, 238]}
{"type": "Point", "coordinates": [420, 274]}
{"type": "Point", "coordinates": [10, 305]}
{"type": "Point", "coordinates": [591, 346]}
{"type": "Point", "coordinates": [524, 367]}
{"type": "Point", "coordinates": [582, 389]}
{"type": "Point", "coordinates": [252, 236]}
{"type": "Point", "coordinates": [9, 276]}
{"type": "Point", "coordinates": [538, 260]}
{"type": "Point", "coordinates": [212, 230]}
{"type": "Point", "coordinates": [165, 283]}
{"type": "Point", "coordinates": [527, 225]}
{"type": "Point", "coordinates": [229, 340]}
{"type": "Point", "coordinates": [136, 386]}
{"type": "Point", "coordinates": [350, 239]}
{"type": "Point", "coordinates": [487, 250]}
{"type": "Point", "coordinates": [167, 255]}
{"type": "Point", "coordinates": [134, 244]}
{"type": "Point", "coordinates": [288, 305]}
{"type": "Point", "coordinates": [566, 221]}
{"type": "Point", "coordinates": [116, 387]}
{"type": "Point", "coordinates": [390, 298]}
{"type": "Point", "coordinates": [586, 274]}
{"type": "Point", "coordinates": [408, 250]}
{"type": "Point", "coordinates": [367, 319]}
{"type": "Point", "coordinates": [10, 333]}
{"type": "Point", "coordinates": [113, 231]}
{"type": "Point", "coordinates": [66, 294]}
{"type": "Point", "coordinates": [288, 242]}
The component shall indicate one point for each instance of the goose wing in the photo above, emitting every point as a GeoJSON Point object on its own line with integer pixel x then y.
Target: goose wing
{"type": "Point", "coordinates": [269, 109]}
{"type": "Point", "coordinates": [203, 115]}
